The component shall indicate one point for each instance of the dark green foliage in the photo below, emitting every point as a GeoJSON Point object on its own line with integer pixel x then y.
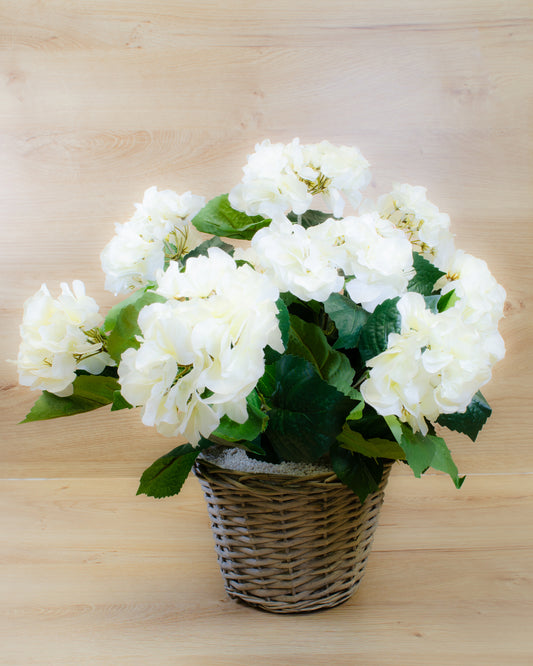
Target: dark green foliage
{"type": "Point", "coordinates": [426, 274]}
{"type": "Point", "coordinates": [424, 451]}
{"type": "Point", "coordinates": [167, 474]}
{"type": "Point", "coordinates": [309, 219]}
{"type": "Point", "coordinates": [349, 319]}
{"type": "Point", "coordinates": [359, 473]}
{"type": "Point", "coordinates": [306, 413]}
{"type": "Point", "coordinates": [375, 333]}
{"type": "Point", "coordinates": [471, 421]}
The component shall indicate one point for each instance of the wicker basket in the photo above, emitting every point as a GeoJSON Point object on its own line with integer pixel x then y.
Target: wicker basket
{"type": "Point", "coordinates": [288, 544]}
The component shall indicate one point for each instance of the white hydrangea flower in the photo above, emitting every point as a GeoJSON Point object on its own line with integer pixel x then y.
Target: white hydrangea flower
{"type": "Point", "coordinates": [434, 366]}
{"type": "Point", "coordinates": [296, 260]}
{"type": "Point", "coordinates": [137, 252]}
{"type": "Point", "coordinates": [58, 336]}
{"type": "Point", "coordinates": [130, 261]}
{"type": "Point", "coordinates": [344, 169]}
{"type": "Point", "coordinates": [202, 351]}
{"type": "Point", "coordinates": [203, 276]}
{"type": "Point", "coordinates": [270, 187]}
{"type": "Point", "coordinates": [279, 178]}
{"type": "Point", "coordinates": [426, 227]}
{"type": "Point", "coordinates": [371, 249]}
{"type": "Point", "coordinates": [163, 211]}
{"type": "Point", "coordinates": [481, 298]}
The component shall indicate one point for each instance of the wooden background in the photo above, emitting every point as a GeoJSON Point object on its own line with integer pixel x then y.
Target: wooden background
{"type": "Point", "coordinates": [100, 100]}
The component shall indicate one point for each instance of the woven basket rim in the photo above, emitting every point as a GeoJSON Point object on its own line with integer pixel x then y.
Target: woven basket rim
{"type": "Point", "coordinates": [328, 477]}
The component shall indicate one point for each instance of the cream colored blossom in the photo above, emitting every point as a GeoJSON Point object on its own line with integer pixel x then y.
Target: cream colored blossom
{"type": "Point", "coordinates": [434, 366]}
{"type": "Point", "coordinates": [296, 261]}
{"type": "Point", "coordinates": [481, 298]}
{"type": "Point", "coordinates": [202, 351]}
{"type": "Point", "coordinates": [427, 228]}
{"type": "Point", "coordinates": [343, 169]}
{"type": "Point", "coordinates": [58, 337]}
{"type": "Point", "coordinates": [370, 249]}
{"type": "Point", "coordinates": [270, 187]}
{"type": "Point", "coordinates": [163, 211]}
{"type": "Point", "coordinates": [129, 261]}
{"type": "Point", "coordinates": [280, 178]}
{"type": "Point", "coordinates": [138, 250]}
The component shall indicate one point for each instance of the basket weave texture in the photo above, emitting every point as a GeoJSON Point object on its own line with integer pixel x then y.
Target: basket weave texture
{"type": "Point", "coordinates": [289, 544]}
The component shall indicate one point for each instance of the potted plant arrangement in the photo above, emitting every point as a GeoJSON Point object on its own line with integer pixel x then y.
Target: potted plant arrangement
{"type": "Point", "coordinates": [298, 366]}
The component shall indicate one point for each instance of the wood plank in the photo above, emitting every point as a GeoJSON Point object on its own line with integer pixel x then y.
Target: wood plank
{"type": "Point", "coordinates": [255, 89]}
{"type": "Point", "coordinates": [99, 102]}
{"type": "Point", "coordinates": [122, 578]}
{"type": "Point", "coordinates": [161, 24]}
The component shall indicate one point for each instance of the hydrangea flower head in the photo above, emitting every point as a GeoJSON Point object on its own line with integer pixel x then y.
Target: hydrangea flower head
{"type": "Point", "coordinates": [138, 250]}
{"type": "Point", "coordinates": [202, 351]}
{"type": "Point", "coordinates": [58, 337]}
{"type": "Point", "coordinates": [280, 178]}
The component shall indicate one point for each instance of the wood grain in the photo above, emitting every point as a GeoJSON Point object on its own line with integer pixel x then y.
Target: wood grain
{"type": "Point", "coordinates": [94, 575]}
{"type": "Point", "coordinates": [99, 101]}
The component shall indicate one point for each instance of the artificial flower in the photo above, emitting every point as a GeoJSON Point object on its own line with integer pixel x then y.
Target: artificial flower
{"type": "Point", "coordinates": [58, 337]}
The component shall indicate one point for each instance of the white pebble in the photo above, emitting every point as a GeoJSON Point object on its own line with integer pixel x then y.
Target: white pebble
{"type": "Point", "coordinates": [237, 460]}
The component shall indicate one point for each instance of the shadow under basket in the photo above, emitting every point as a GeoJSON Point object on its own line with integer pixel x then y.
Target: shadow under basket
{"type": "Point", "coordinates": [289, 544]}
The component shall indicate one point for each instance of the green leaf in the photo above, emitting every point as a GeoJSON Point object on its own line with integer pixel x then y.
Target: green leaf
{"type": "Point", "coordinates": [121, 321]}
{"type": "Point", "coordinates": [89, 392]}
{"type": "Point", "coordinates": [375, 447]}
{"type": "Point", "coordinates": [395, 427]}
{"type": "Point", "coordinates": [310, 218]}
{"type": "Point", "coordinates": [267, 384]}
{"type": "Point", "coordinates": [432, 303]}
{"type": "Point", "coordinates": [284, 321]}
{"type": "Point", "coordinates": [119, 402]}
{"type": "Point", "coordinates": [202, 250]}
{"type": "Point", "coordinates": [426, 274]}
{"type": "Point", "coordinates": [349, 319]}
{"type": "Point", "coordinates": [443, 461]}
{"type": "Point", "coordinates": [138, 299]}
{"type": "Point", "coordinates": [357, 412]}
{"type": "Point", "coordinates": [384, 320]}
{"type": "Point", "coordinates": [171, 251]}
{"type": "Point", "coordinates": [308, 341]}
{"type": "Point", "coordinates": [249, 430]}
{"type": "Point", "coordinates": [289, 298]}
{"type": "Point", "coordinates": [123, 336]}
{"type": "Point", "coordinates": [361, 474]}
{"type": "Point", "coordinates": [166, 476]}
{"type": "Point", "coordinates": [471, 421]}
{"type": "Point", "coordinates": [424, 451]}
{"type": "Point", "coordinates": [96, 387]}
{"type": "Point", "coordinates": [372, 424]}
{"type": "Point", "coordinates": [217, 217]}
{"type": "Point", "coordinates": [447, 301]}
{"type": "Point", "coordinates": [306, 413]}
{"type": "Point", "coordinates": [253, 446]}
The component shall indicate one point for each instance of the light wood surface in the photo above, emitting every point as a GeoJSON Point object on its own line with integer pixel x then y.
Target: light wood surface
{"type": "Point", "coordinates": [99, 101]}
{"type": "Point", "coordinates": [92, 575]}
